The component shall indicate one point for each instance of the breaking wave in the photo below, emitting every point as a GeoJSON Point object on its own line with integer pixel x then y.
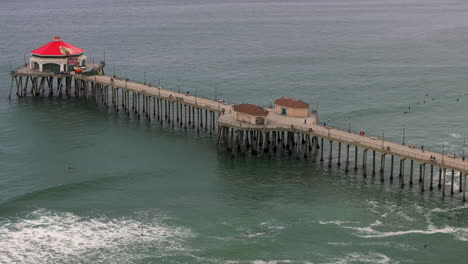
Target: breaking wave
{"type": "Point", "coordinates": [378, 228]}
{"type": "Point", "coordinates": [45, 236]}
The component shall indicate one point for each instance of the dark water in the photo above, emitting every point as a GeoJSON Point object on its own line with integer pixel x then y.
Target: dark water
{"type": "Point", "coordinates": [81, 184]}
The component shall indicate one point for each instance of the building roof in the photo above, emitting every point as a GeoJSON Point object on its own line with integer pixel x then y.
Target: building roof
{"type": "Point", "coordinates": [291, 102]}
{"type": "Point", "coordinates": [57, 47]}
{"type": "Point", "coordinates": [251, 109]}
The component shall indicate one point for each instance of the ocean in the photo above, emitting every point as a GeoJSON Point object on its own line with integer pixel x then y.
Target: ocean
{"type": "Point", "coordinates": [80, 183]}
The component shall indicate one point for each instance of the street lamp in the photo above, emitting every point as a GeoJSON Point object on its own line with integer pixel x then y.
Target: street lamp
{"type": "Point", "coordinates": [196, 95]}
{"type": "Point", "coordinates": [144, 76]}
{"type": "Point", "coordinates": [328, 128]}
{"type": "Point", "coordinates": [464, 142]}
{"type": "Point", "coordinates": [216, 93]}
{"type": "Point", "coordinates": [443, 149]}
{"type": "Point", "coordinates": [383, 137]}
{"type": "Point", "coordinates": [178, 85]}
{"type": "Point", "coordinates": [349, 122]}
{"type": "Point", "coordinates": [404, 128]}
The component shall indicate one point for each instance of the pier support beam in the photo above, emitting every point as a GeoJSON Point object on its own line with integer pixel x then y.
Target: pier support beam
{"type": "Point", "coordinates": [452, 182]}
{"type": "Point", "coordinates": [338, 163]}
{"type": "Point", "coordinates": [392, 161]}
{"type": "Point", "coordinates": [464, 186]}
{"type": "Point", "coordinates": [423, 176]}
{"type": "Point", "coordinates": [355, 158]}
{"type": "Point", "coordinates": [411, 172]}
{"type": "Point", "coordinates": [321, 150]}
{"type": "Point", "coordinates": [444, 173]}
{"type": "Point", "coordinates": [330, 154]}
{"type": "Point", "coordinates": [431, 179]}
{"type": "Point", "coordinates": [347, 158]}
{"type": "Point", "coordinates": [373, 162]}
{"type": "Point", "coordinates": [364, 162]}
{"type": "Point", "coordinates": [402, 172]}
{"type": "Point", "coordinates": [382, 167]}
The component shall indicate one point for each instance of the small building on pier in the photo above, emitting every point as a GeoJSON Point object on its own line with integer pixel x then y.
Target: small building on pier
{"type": "Point", "coordinates": [291, 107]}
{"type": "Point", "coordinates": [252, 114]}
{"type": "Point", "coordinates": [57, 56]}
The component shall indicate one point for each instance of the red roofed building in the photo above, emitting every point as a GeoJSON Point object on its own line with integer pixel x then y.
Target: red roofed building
{"type": "Point", "coordinates": [57, 56]}
{"type": "Point", "coordinates": [291, 107]}
{"type": "Point", "coordinates": [251, 114]}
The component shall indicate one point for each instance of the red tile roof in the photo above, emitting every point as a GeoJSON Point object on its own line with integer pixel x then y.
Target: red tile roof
{"type": "Point", "coordinates": [57, 47]}
{"type": "Point", "coordinates": [291, 102]}
{"type": "Point", "coordinates": [251, 109]}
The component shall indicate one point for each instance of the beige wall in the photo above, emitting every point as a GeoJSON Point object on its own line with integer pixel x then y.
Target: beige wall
{"type": "Point", "coordinates": [247, 118]}
{"type": "Point", "coordinates": [293, 112]}
{"type": "Point", "coordinates": [242, 117]}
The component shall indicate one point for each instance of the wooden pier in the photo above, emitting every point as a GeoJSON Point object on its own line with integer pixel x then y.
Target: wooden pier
{"type": "Point", "coordinates": [301, 137]}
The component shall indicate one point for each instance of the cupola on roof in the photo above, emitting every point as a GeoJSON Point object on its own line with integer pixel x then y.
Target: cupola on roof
{"type": "Point", "coordinates": [57, 47]}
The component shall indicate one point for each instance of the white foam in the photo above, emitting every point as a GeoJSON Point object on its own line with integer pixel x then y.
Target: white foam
{"type": "Point", "coordinates": [337, 222]}
{"type": "Point", "coordinates": [370, 231]}
{"type": "Point", "coordinates": [371, 257]}
{"type": "Point", "coordinates": [45, 236]}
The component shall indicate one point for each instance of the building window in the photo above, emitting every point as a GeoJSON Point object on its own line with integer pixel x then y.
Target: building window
{"type": "Point", "coordinates": [284, 111]}
{"type": "Point", "coordinates": [259, 120]}
{"type": "Point", "coordinates": [50, 67]}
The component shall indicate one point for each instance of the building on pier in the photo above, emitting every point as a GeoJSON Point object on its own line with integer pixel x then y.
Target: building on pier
{"type": "Point", "coordinates": [252, 114]}
{"type": "Point", "coordinates": [57, 56]}
{"type": "Point", "coordinates": [291, 107]}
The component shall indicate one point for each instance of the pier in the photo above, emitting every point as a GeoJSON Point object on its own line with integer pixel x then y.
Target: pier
{"type": "Point", "coordinates": [290, 127]}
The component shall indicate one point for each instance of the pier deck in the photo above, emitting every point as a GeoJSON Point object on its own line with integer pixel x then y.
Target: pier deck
{"type": "Point", "coordinates": [237, 131]}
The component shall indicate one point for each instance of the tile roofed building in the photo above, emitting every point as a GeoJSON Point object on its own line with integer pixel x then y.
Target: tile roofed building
{"type": "Point", "coordinates": [251, 114]}
{"type": "Point", "coordinates": [291, 102]}
{"type": "Point", "coordinates": [251, 110]}
{"type": "Point", "coordinates": [291, 107]}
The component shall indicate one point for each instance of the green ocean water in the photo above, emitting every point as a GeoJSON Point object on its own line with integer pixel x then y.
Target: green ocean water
{"type": "Point", "coordinates": [83, 184]}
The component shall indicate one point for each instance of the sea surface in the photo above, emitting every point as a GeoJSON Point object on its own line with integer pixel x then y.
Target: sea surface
{"type": "Point", "coordinates": [83, 184]}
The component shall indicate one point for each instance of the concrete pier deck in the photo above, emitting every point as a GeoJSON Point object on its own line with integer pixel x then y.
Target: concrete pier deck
{"type": "Point", "coordinates": [275, 122]}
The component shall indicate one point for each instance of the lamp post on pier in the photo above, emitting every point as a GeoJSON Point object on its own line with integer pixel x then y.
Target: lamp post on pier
{"type": "Point", "coordinates": [196, 89]}
{"type": "Point", "coordinates": [328, 126]}
{"type": "Point", "coordinates": [404, 128]}
{"type": "Point", "coordinates": [443, 150]}
{"type": "Point", "coordinates": [464, 142]}
{"type": "Point", "coordinates": [144, 77]}
{"type": "Point", "coordinates": [383, 138]}
{"type": "Point", "coordinates": [349, 123]}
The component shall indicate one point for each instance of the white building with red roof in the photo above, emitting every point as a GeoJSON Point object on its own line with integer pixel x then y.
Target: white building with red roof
{"type": "Point", "coordinates": [251, 114]}
{"type": "Point", "coordinates": [57, 56]}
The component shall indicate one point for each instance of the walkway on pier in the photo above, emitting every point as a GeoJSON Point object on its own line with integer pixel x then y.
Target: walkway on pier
{"type": "Point", "coordinates": [275, 122]}
{"type": "Point", "coordinates": [282, 123]}
{"type": "Point", "coordinates": [303, 129]}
